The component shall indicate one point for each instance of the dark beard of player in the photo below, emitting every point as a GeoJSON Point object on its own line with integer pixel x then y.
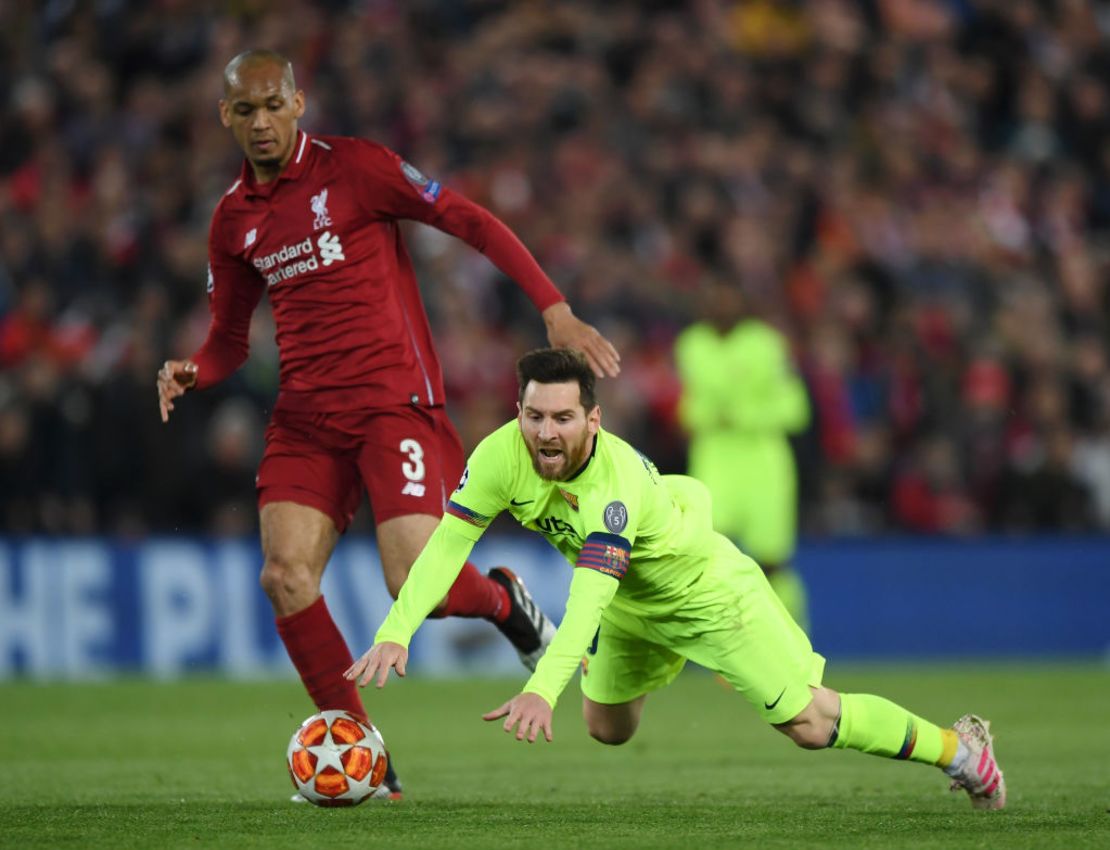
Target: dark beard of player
{"type": "Point", "coordinates": [269, 163]}
{"type": "Point", "coordinates": [574, 456]}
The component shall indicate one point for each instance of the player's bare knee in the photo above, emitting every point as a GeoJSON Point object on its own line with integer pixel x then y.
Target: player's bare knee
{"type": "Point", "coordinates": [610, 728]}
{"type": "Point", "coordinates": [610, 735]}
{"type": "Point", "coordinates": [284, 580]}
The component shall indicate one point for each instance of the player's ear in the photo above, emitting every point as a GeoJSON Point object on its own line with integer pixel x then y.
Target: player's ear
{"type": "Point", "coordinates": [225, 113]}
{"type": "Point", "coordinates": [298, 103]}
{"type": "Point", "coordinates": [593, 419]}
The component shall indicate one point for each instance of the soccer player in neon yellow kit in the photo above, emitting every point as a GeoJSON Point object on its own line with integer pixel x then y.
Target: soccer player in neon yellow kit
{"type": "Point", "coordinates": [741, 398]}
{"type": "Point", "coordinates": [653, 586]}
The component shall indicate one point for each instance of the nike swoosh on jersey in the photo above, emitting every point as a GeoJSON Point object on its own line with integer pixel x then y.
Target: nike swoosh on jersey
{"type": "Point", "coordinates": [770, 705]}
{"type": "Point", "coordinates": [518, 504]}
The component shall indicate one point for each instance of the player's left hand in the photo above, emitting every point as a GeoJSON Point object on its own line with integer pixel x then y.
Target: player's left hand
{"type": "Point", "coordinates": [531, 711]}
{"type": "Point", "coordinates": [565, 330]}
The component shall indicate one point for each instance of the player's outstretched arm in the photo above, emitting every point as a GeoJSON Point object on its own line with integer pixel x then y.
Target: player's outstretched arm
{"type": "Point", "coordinates": [565, 330]}
{"type": "Point", "coordinates": [531, 711]}
{"type": "Point", "coordinates": [377, 660]}
{"type": "Point", "coordinates": [174, 378]}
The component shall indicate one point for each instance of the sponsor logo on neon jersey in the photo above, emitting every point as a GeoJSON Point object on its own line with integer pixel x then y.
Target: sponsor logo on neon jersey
{"type": "Point", "coordinates": [552, 526]}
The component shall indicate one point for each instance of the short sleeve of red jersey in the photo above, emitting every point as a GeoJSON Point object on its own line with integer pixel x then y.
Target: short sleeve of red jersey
{"type": "Point", "coordinates": [234, 290]}
{"type": "Point", "coordinates": [395, 189]}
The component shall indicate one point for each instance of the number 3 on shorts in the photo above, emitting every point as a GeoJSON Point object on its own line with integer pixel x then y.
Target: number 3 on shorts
{"type": "Point", "coordinates": [413, 468]}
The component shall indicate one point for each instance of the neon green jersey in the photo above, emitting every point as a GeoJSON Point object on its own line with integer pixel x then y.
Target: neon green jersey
{"type": "Point", "coordinates": [741, 381]}
{"type": "Point", "coordinates": [637, 539]}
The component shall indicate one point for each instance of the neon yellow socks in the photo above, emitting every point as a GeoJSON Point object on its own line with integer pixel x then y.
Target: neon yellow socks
{"type": "Point", "coordinates": [876, 725]}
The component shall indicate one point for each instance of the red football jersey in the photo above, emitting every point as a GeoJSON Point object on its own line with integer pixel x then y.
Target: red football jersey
{"type": "Point", "coordinates": [322, 238]}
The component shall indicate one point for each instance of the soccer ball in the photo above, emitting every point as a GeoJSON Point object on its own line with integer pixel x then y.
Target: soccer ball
{"type": "Point", "coordinates": [335, 759]}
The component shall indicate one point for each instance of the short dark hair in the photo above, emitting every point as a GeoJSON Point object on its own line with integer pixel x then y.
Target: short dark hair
{"type": "Point", "coordinates": [557, 366]}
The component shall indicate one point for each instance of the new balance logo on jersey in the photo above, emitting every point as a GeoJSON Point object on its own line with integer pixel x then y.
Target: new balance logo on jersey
{"type": "Point", "coordinates": [331, 250]}
{"type": "Point", "coordinates": [248, 240]}
{"type": "Point", "coordinates": [319, 204]}
{"type": "Point", "coordinates": [411, 488]}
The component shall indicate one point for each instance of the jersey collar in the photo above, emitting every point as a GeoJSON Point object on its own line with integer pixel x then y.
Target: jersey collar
{"type": "Point", "coordinates": [593, 451]}
{"type": "Point", "coordinates": [296, 166]}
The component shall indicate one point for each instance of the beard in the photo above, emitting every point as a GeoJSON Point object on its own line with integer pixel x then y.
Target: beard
{"type": "Point", "coordinates": [569, 461]}
{"type": "Point", "coordinates": [267, 162]}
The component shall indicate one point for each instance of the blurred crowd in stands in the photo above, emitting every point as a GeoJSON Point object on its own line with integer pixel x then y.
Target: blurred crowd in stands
{"type": "Point", "coordinates": [917, 192]}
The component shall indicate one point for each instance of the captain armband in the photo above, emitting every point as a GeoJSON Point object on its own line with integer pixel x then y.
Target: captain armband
{"type": "Point", "coordinates": [606, 553]}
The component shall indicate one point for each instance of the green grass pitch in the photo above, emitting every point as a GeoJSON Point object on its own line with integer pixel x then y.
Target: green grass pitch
{"type": "Point", "coordinates": [200, 764]}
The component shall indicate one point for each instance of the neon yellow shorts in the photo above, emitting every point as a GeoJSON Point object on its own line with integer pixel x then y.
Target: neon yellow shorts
{"type": "Point", "coordinates": [755, 493]}
{"type": "Point", "coordinates": [732, 624]}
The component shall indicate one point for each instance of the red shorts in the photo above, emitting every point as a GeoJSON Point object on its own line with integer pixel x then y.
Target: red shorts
{"type": "Point", "coordinates": [409, 459]}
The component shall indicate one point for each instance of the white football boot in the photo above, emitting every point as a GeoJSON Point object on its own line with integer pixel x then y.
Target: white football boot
{"type": "Point", "coordinates": [978, 773]}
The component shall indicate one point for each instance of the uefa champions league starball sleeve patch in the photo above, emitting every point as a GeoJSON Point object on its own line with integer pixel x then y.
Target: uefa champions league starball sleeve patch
{"type": "Point", "coordinates": [429, 189]}
{"type": "Point", "coordinates": [616, 517]}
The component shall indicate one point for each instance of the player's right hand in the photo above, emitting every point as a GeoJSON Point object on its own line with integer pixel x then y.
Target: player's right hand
{"type": "Point", "coordinates": [174, 378]}
{"type": "Point", "coordinates": [530, 710]}
{"type": "Point", "coordinates": [378, 659]}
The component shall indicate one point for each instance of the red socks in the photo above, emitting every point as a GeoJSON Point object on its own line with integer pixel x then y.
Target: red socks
{"type": "Point", "coordinates": [475, 595]}
{"type": "Point", "coordinates": [321, 656]}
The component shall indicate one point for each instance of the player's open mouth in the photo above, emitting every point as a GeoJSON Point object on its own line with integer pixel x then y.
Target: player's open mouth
{"type": "Point", "coordinates": [551, 454]}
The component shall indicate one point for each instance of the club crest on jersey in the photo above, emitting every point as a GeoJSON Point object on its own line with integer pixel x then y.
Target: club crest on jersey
{"type": "Point", "coordinates": [571, 499]}
{"type": "Point", "coordinates": [319, 204]}
{"type": "Point", "coordinates": [429, 189]}
{"type": "Point", "coordinates": [616, 517]}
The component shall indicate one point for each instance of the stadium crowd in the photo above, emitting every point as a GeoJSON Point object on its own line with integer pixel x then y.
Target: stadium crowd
{"type": "Point", "coordinates": [917, 192]}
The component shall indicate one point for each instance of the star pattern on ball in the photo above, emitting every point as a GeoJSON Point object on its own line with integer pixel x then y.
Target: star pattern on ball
{"type": "Point", "coordinates": [329, 753]}
{"type": "Point", "coordinates": [336, 759]}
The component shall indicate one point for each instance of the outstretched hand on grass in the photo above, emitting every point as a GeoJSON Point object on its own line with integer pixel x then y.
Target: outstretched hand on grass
{"type": "Point", "coordinates": [531, 711]}
{"type": "Point", "coordinates": [378, 659]}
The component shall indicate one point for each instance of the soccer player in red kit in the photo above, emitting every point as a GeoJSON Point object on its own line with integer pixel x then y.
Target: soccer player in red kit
{"type": "Point", "coordinates": [312, 221]}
